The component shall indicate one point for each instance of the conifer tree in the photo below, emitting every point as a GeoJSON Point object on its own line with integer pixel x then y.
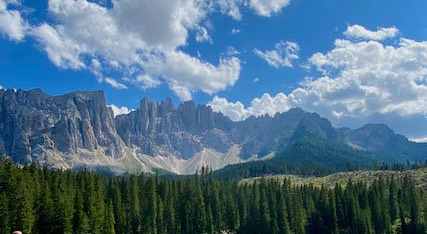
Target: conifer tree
{"type": "Point", "coordinates": [109, 224]}
{"type": "Point", "coordinates": [4, 213]}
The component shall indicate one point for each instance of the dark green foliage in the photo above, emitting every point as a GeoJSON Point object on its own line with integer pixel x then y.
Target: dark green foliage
{"type": "Point", "coordinates": [44, 201]}
{"type": "Point", "coordinates": [305, 155]}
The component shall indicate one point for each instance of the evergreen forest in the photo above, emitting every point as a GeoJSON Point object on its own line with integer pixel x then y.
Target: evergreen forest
{"type": "Point", "coordinates": [43, 201]}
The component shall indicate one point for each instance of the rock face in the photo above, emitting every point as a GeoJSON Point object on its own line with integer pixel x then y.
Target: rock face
{"type": "Point", "coordinates": [160, 130]}
{"type": "Point", "coordinates": [32, 122]}
{"type": "Point", "coordinates": [78, 129]}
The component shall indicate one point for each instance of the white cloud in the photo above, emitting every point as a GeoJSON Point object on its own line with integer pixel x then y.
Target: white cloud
{"type": "Point", "coordinates": [114, 83]}
{"type": "Point", "coordinates": [256, 80]}
{"type": "Point", "coordinates": [363, 78]}
{"type": "Point", "coordinates": [202, 35]}
{"type": "Point", "coordinates": [419, 139]}
{"type": "Point", "coordinates": [186, 73]}
{"type": "Point", "coordinates": [282, 56]}
{"type": "Point", "coordinates": [120, 110]}
{"type": "Point", "coordinates": [361, 82]}
{"type": "Point", "coordinates": [62, 51]}
{"type": "Point", "coordinates": [133, 38]}
{"type": "Point", "coordinates": [11, 22]}
{"type": "Point", "coordinates": [162, 23]}
{"type": "Point", "coordinates": [231, 8]}
{"type": "Point", "coordinates": [183, 92]}
{"type": "Point", "coordinates": [259, 106]}
{"type": "Point", "coordinates": [146, 81]}
{"type": "Point", "coordinates": [231, 51]}
{"type": "Point", "coordinates": [1, 87]}
{"type": "Point", "coordinates": [235, 31]}
{"type": "Point", "coordinates": [360, 32]}
{"type": "Point", "coordinates": [140, 41]}
{"type": "Point", "coordinates": [234, 110]}
{"type": "Point", "coordinates": [267, 7]}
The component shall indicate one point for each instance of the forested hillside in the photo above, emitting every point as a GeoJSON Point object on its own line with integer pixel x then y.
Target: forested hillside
{"type": "Point", "coordinates": [46, 201]}
{"type": "Point", "coordinates": [419, 176]}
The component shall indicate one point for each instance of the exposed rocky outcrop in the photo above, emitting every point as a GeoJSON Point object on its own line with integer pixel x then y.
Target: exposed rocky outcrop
{"type": "Point", "coordinates": [77, 130]}
{"type": "Point", "coordinates": [161, 130]}
{"type": "Point", "coordinates": [32, 122]}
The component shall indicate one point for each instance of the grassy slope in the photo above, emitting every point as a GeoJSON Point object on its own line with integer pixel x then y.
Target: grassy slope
{"type": "Point", "coordinates": [419, 175]}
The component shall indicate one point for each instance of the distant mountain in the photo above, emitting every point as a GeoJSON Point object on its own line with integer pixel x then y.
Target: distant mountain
{"type": "Point", "coordinates": [78, 130]}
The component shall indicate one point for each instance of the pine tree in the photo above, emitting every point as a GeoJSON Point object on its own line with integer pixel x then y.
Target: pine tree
{"type": "Point", "coordinates": [282, 213]}
{"type": "Point", "coordinates": [80, 218]}
{"type": "Point", "coordinates": [392, 199]}
{"type": "Point", "coordinates": [161, 226]}
{"type": "Point", "coordinates": [131, 204]}
{"type": "Point", "coordinates": [108, 227]}
{"type": "Point", "coordinates": [45, 211]}
{"type": "Point", "coordinates": [170, 213]}
{"type": "Point", "coordinates": [265, 216]}
{"type": "Point", "coordinates": [230, 210]}
{"type": "Point", "coordinates": [115, 197]}
{"type": "Point", "coordinates": [149, 202]}
{"type": "Point", "coordinates": [4, 213]}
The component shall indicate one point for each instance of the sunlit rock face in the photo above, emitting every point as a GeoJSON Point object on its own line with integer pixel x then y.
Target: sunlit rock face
{"type": "Point", "coordinates": [78, 130]}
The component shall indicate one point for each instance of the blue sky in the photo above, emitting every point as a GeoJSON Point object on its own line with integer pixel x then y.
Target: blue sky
{"type": "Point", "coordinates": [354, 62]}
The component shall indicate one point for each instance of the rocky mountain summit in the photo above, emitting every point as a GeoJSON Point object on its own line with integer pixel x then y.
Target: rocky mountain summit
{"type": "Point", "coordinates": [78, 130]}
{"type": "Point", "coordinates": [160, 130]}
{"type": "Point", "coordinates": [32, 123]}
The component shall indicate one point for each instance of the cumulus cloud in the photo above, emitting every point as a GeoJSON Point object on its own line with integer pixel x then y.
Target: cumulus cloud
{"type": "Point", "coordinates": [164, 24]}
{"type": "Point", "coordinates": [11, 22]}
{"type": "Point", "coordinates": [236, 111]}
{"type": "Point", "coordinates": [120, 110]}
{"type": "Point", "coordinates": [360, 82]}
{"type": "Point", "coordinates": [259, 106]}
{"type": "Point", "coordinates": [360, 32]}
{"type": "Point", "coordinates": [139, 40]}
{"type": "Point", "coordinates": [267, 7]}
{"type": "Point", "coordinates": [185, 73]}
{"type": "Point", "coordinates": [282, 55]}
{"type": "Point", "coordinates": [362, 78]}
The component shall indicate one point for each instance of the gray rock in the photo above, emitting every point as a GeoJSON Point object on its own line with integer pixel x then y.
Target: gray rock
{"type": "Point", "coordinates": [29, 119]}
{"type": "Point", "coordinates": [41, 128]}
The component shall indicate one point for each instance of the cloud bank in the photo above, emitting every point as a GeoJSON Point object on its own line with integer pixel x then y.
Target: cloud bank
{"type": "Point", "coordinates": [361, 80]}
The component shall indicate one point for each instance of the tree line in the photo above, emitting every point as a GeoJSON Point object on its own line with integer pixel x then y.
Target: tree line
{"type": "Point", "coordinates": [39, 200]}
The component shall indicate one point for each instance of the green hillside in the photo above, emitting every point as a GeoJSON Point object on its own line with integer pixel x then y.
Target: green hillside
{"type": "Point", "coordinates": [329, 181]}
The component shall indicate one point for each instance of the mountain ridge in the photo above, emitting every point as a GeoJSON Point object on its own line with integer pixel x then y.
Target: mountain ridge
{"type": "Point", "coordinates": [77, 130]}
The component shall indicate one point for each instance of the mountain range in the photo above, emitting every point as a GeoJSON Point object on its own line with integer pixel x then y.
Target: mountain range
{"type": "Point", "coordinates": [78, 130]}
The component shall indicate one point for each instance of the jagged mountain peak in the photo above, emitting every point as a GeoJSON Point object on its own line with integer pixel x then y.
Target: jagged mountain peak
{"type": "Point", "coordinates": [33, 122]}
{"type": "Point", "coordinates": [78, 128]}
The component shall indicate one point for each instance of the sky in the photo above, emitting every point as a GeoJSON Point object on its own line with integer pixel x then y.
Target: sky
{"type": "Point", "coordinates": [353, 62]}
